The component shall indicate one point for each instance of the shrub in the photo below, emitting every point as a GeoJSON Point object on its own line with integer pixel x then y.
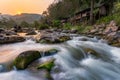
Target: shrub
{"type": "Point", "coordinates": [56, 23]}
{"type": "Point", "coordinates": [67, 26]}
{"type": "Point", "coordinates": [43, 26]}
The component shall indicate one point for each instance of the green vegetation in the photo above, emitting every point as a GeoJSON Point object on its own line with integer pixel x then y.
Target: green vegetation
{"type": "Point", "coordinates": [79, 28]}
{"type": "Point", "coordinates": [107, 19]}
{"type": "Point", "coordinates": [47, 65]}
{"type": "Point", "coordinates": [5, 23]}
{"type": "Point", "coordinates": [114, 16]}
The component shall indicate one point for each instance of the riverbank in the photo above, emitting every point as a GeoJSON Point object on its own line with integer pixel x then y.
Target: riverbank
{"type": "Point", "coordinates": [109, 32]}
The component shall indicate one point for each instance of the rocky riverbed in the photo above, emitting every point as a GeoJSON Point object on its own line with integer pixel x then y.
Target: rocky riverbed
{"type": "Point", "coordinates": [109, 32]}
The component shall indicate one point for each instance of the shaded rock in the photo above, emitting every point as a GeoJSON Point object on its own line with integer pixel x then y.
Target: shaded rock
{"type": "Point", "coordinates": [10, 33]}
{"type": "Point", "coordinates": [83, 39]}
{"type": "Point", "coordinates": [31, 33]}
{"type": "Point", "coordinates": [25, 58]}
{"type": "Point", "coordinates": [54, 39]}
{"type": "Point", "coordinates": [74, 31]}
{"type": "Point", "coordinates": [1, 30]}
{"type": "Point", "coordinates": [17, 28]}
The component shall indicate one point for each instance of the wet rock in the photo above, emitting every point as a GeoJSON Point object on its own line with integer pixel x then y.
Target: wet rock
{"type": "Point", "coordinates": [1, 68]}
{"type": "Point", "coordinates": [25, 58]}
{"type": "Point", "coordinates": [65, 31]}
{"type": "Point", "coordinates": [83, 39]}
{"type": "Point", "coordinates": [74, 31]}
{"type": "Point", "coordinates": [48, 65]}
{"type": "Point", "coordinates": [53, 38]}
{"type": "Point", "coordinates": [91, 52]}
{"type": "Point", "coordinates": [10, 39]}
{"type": "Point", "coordinates": [50, 52]}
{"type": "Point", "coordinates": [31, 33]}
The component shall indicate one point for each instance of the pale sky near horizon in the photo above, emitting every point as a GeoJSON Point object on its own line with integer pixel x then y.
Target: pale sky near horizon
{"type": "Point", "coordinates": [23, 6]}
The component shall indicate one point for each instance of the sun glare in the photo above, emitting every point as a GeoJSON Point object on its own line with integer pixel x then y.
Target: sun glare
{"type": "Point", "coordinates": [19, 12]}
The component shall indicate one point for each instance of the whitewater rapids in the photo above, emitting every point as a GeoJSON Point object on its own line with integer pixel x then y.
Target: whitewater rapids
{"type": "Point", "coordinates": [72, 61]}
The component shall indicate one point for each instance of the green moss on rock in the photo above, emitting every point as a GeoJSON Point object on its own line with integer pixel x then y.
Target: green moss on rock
{"type": "Point", "coordinates": [47, 65]}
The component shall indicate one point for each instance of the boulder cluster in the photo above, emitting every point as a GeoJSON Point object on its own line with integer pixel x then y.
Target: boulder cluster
{"type": "Point", "coordinates": [109, 32]}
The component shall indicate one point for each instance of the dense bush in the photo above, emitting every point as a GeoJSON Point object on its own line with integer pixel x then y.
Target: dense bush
{"type": "Point", "coordinates": [107, 19]}
{"type": "Point", "coordinates": [67, 26]}
{"type": "Point", "coordinates": [56, 23]}
{"type": "Point", "coordinates": [43, 26]}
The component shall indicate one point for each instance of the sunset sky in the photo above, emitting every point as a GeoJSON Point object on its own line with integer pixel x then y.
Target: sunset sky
{"type": "Point", "coordinates": [23, 6]}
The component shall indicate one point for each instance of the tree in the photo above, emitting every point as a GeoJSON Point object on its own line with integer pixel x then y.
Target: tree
{"type": "Point", "coordinates": [36, 24]}
{"type": "Point", "coordinates": [91, 12]}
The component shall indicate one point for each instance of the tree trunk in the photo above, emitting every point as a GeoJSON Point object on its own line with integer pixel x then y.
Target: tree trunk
{"type": "Point", "coordinates": [91, 12]}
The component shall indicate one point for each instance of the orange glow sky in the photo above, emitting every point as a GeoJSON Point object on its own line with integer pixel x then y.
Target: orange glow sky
{"type": "Point", "coordinates": [23, 6]}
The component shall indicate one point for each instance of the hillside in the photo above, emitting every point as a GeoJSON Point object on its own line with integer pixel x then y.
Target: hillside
{"type": "Point", "coordinates": [30, 18]}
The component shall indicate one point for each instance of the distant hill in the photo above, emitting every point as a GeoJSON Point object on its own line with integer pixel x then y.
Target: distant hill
{"type": "Point", "coordinates": [6, 16]}
{"type": "Point", "coordinates": [30, 18]}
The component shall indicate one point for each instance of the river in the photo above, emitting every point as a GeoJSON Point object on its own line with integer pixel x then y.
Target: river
{"type": "Point", "coordinates": [72, 61]}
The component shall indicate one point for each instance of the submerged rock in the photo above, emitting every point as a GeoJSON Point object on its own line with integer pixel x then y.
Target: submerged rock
{"type": "Point", "coordinates": [47, 65]}
{"type": "Point", "coordinates": [50, 52]}
{"type": "Point", "coordinates": [25, 58]}
{"type": "Point", "coordinates": [91, 52]}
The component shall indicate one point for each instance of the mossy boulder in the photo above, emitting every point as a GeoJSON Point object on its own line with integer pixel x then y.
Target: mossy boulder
{"type": "Point", "coordinates": [48, 65]}
{"type": "Point", "coordinates": [25, 58]}
{"type": "Point", "coordinates": [54, 39]}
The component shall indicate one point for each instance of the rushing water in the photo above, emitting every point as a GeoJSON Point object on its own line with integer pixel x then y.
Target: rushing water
{"type": "Point", "coordinates": [72, 62]}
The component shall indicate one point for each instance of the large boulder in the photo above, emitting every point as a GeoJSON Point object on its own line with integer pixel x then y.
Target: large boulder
{"type": "Point", "coordinates": [25, 58]}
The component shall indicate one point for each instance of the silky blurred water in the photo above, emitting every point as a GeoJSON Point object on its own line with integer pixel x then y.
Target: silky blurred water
{"type": "Point", "coordinates": [72, 61]}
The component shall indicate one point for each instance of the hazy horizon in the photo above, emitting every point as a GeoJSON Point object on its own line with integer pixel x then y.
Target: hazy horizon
{"type": "Point", "coordinates": [13, 7]}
